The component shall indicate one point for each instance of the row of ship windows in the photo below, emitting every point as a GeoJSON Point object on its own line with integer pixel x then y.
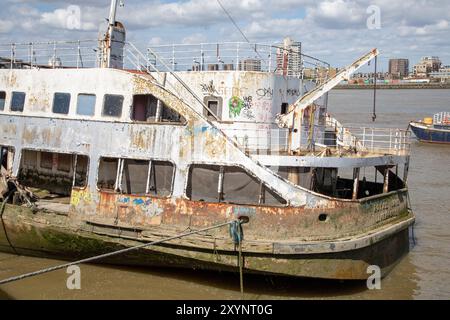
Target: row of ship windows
{"type": "Point", "coordinates": [112, 104]}
{"type": "Point", "coordinates": [59, 173]}
{"type": "Point", "coordinates": [144, 108]}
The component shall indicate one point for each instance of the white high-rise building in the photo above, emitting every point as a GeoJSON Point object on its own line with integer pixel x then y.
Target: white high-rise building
{"type": "Point", "coordinates": [289, 58]}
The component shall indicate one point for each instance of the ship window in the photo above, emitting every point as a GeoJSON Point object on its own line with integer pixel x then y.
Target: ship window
{"type": "Point", "coordinates": [214, 105]}
{"type": "Point", "coordinates": [2, 100]}
{"type": "Point", "coordinates": [161, 177]}
{"type": "Point", "coordinates": [46, 160]}
{"type": "Point", "coordinates": [145, 108]}
{"type": "Point", "coordinates": [30, 157]}
{"type": "Point", "coordinates": [107, 173]}
{"type": "Point", "coordinates": [17, 101]}
{"type": "Point", "coordinates": [61, 103]}
{"type": "Point", "coordinates": [6, 158]}
{"type": "Point", "coordinates": [86, 104]}
{"type": "Point", "coordinates": [112, 106]}
{"type": "Point", "coordinates": [240, 187]}
{"type": "Point", "coordinates": [53, 173]}
{"type": "Point", "coordinates": [284, 108]}
{"type": "Point", "coordinates": [204, 184]}
{"type": "Point", "coordinates": [64, 162]}
{"type": "Point", "coordinates": [136, 176]}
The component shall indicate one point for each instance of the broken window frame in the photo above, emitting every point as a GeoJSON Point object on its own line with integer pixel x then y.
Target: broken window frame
{"type": "Point", "coordinates": [60, 104]}
{"type": "Point", "coordinates": [222, 168]}
{"type": "Point", "coordinates": [10, 153]}
{"type": "Point", "coordinates": [22, 98]}
{"type": "Point", "coordinates": [150, 172]}
{"type": "Point", "coordinates": [2, 100]}
{"type": "Point", "coordinates": [73, 167]}
{"type": "Point", "coordinates": [161, 109]}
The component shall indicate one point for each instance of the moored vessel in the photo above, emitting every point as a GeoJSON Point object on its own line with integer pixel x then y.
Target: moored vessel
{"type": "Point", "coordinates": [137, 147]}
{"type": "Point", "coordinates": [433, 130]}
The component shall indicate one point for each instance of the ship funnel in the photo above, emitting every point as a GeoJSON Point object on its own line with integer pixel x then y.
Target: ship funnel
{"type": "Point", "coordinates": [112, 42]}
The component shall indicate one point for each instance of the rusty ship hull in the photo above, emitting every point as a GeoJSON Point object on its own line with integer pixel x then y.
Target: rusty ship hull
{"type": "Point", "coordinates": [53, 235]}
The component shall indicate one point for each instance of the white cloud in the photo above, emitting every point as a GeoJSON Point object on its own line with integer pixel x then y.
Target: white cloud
{"type": "Point", "coordinates": [6, 26]}
{"type": "Point", "coordinates": [334, 30]}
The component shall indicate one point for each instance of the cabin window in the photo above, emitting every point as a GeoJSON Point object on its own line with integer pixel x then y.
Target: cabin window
{"type": "Point", "coordinates": [30, 157]}
{"type": "Point", "coordinates": [136, 176]}
{"type": "Point", "coordinates": [61, 103]}
{"type": "Point", "coordinates": [161, 178]}
{"type": "Point", "coordinates": [112, 106]}
{"type": "Point", "coordinates": [2, 100]}
{"type": "Point", "coordinates": [202, 183]}
{"type": "Point", "coordinates": [17, 101]}
{"type": "Point", "coordinates": [284, 108]}
{"type": "Point", "coordinates": [229, 184]}
{"type": "Point", "coordinates": [147, 108]}
{"type": "Point", "coordinates": [6, 158]}
{"type": "Point", "coordinates": [46, 160]}
{"type": "Point", "coordinates": [214, 105]}
{"type": "Point", "coordinates": [52, 172]}
{"type": "Point", "coordinates": [86, 104]}
{"type": "Point", "coordinates": [107, 173]}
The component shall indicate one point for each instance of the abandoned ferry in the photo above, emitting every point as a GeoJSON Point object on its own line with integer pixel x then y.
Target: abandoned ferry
{"type": "Point", "coordinates": [114, 147]}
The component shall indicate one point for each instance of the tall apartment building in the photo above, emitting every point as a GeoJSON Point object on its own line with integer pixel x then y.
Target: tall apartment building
{"type": "Point", "coordinates": [289, 58]}
{"type": "Point", "coordinates": [398, 68]}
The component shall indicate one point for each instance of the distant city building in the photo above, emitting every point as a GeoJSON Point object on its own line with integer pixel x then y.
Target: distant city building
{"type": "Point", "coordinates": [398, 68]}
{"type": "Point", "coordinates": [443, 75]}
{"type": "Point", "coordinates": [426, 66]}
{"type": "Point", "coordinates": [289, 58]}
{"type": "Point", "coordinates": [319, 73]}
{"type": "Point", "coordinates": [250, 65]}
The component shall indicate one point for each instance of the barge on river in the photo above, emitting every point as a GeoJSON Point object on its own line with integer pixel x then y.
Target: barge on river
{"type": "Point", "coordinates": [112, 148]}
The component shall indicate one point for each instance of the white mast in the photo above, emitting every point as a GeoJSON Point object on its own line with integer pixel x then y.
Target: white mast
{"type": "Point", "coordinates": [112, 13]}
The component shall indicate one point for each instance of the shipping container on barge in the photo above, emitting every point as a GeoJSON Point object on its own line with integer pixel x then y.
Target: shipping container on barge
{"type": "Point", "coordinates": [114, 147]}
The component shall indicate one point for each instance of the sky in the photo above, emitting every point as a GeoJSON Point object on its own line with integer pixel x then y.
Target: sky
{"type": "Point", "coordinates": [337, 31]}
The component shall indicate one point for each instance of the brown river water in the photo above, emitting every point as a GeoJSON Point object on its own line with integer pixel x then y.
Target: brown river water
{"type": "Point", "coordinates": [423, 274]}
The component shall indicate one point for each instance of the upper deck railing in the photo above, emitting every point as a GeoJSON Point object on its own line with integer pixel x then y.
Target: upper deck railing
{"type": "Point", "coordinates": [225, 56]}
{"type": "Point", "coordinates": [240, 56]}
{"type": "Point", "coordinates": [360, 140]}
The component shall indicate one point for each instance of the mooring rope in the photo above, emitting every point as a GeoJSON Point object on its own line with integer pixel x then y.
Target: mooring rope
{"type": "Point", "coordinates": [2, 209]}
{"type": "Point", "coordinates": [106, 255]}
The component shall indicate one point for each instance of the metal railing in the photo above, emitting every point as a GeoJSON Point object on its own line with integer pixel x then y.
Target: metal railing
{"type": "Point", "coordinates": [376, 141]}
{"type": "Point", "coordinates": [442, 118]}
{"type": "Point", "coordinates": [390, 141]}
{"type": "Point", "coordinates": [176, 57]}
{"type": "Point", "coordinates": [55, 54]}
{"type": "Point", "coordinates": [240, 56]}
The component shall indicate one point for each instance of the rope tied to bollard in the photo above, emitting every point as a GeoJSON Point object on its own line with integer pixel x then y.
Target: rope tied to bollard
{"type": "Point", "coordinates": [110, 254]}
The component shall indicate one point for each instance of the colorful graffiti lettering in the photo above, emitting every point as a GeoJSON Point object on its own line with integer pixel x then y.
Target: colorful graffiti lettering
{"type": "Point", "coordinates": [235, 105]}
{"type": "Point", "coordinates": [80, 196]}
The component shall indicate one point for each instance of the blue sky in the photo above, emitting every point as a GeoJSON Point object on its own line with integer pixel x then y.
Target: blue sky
{"type": "Point", "coordinates": [334, 30]}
